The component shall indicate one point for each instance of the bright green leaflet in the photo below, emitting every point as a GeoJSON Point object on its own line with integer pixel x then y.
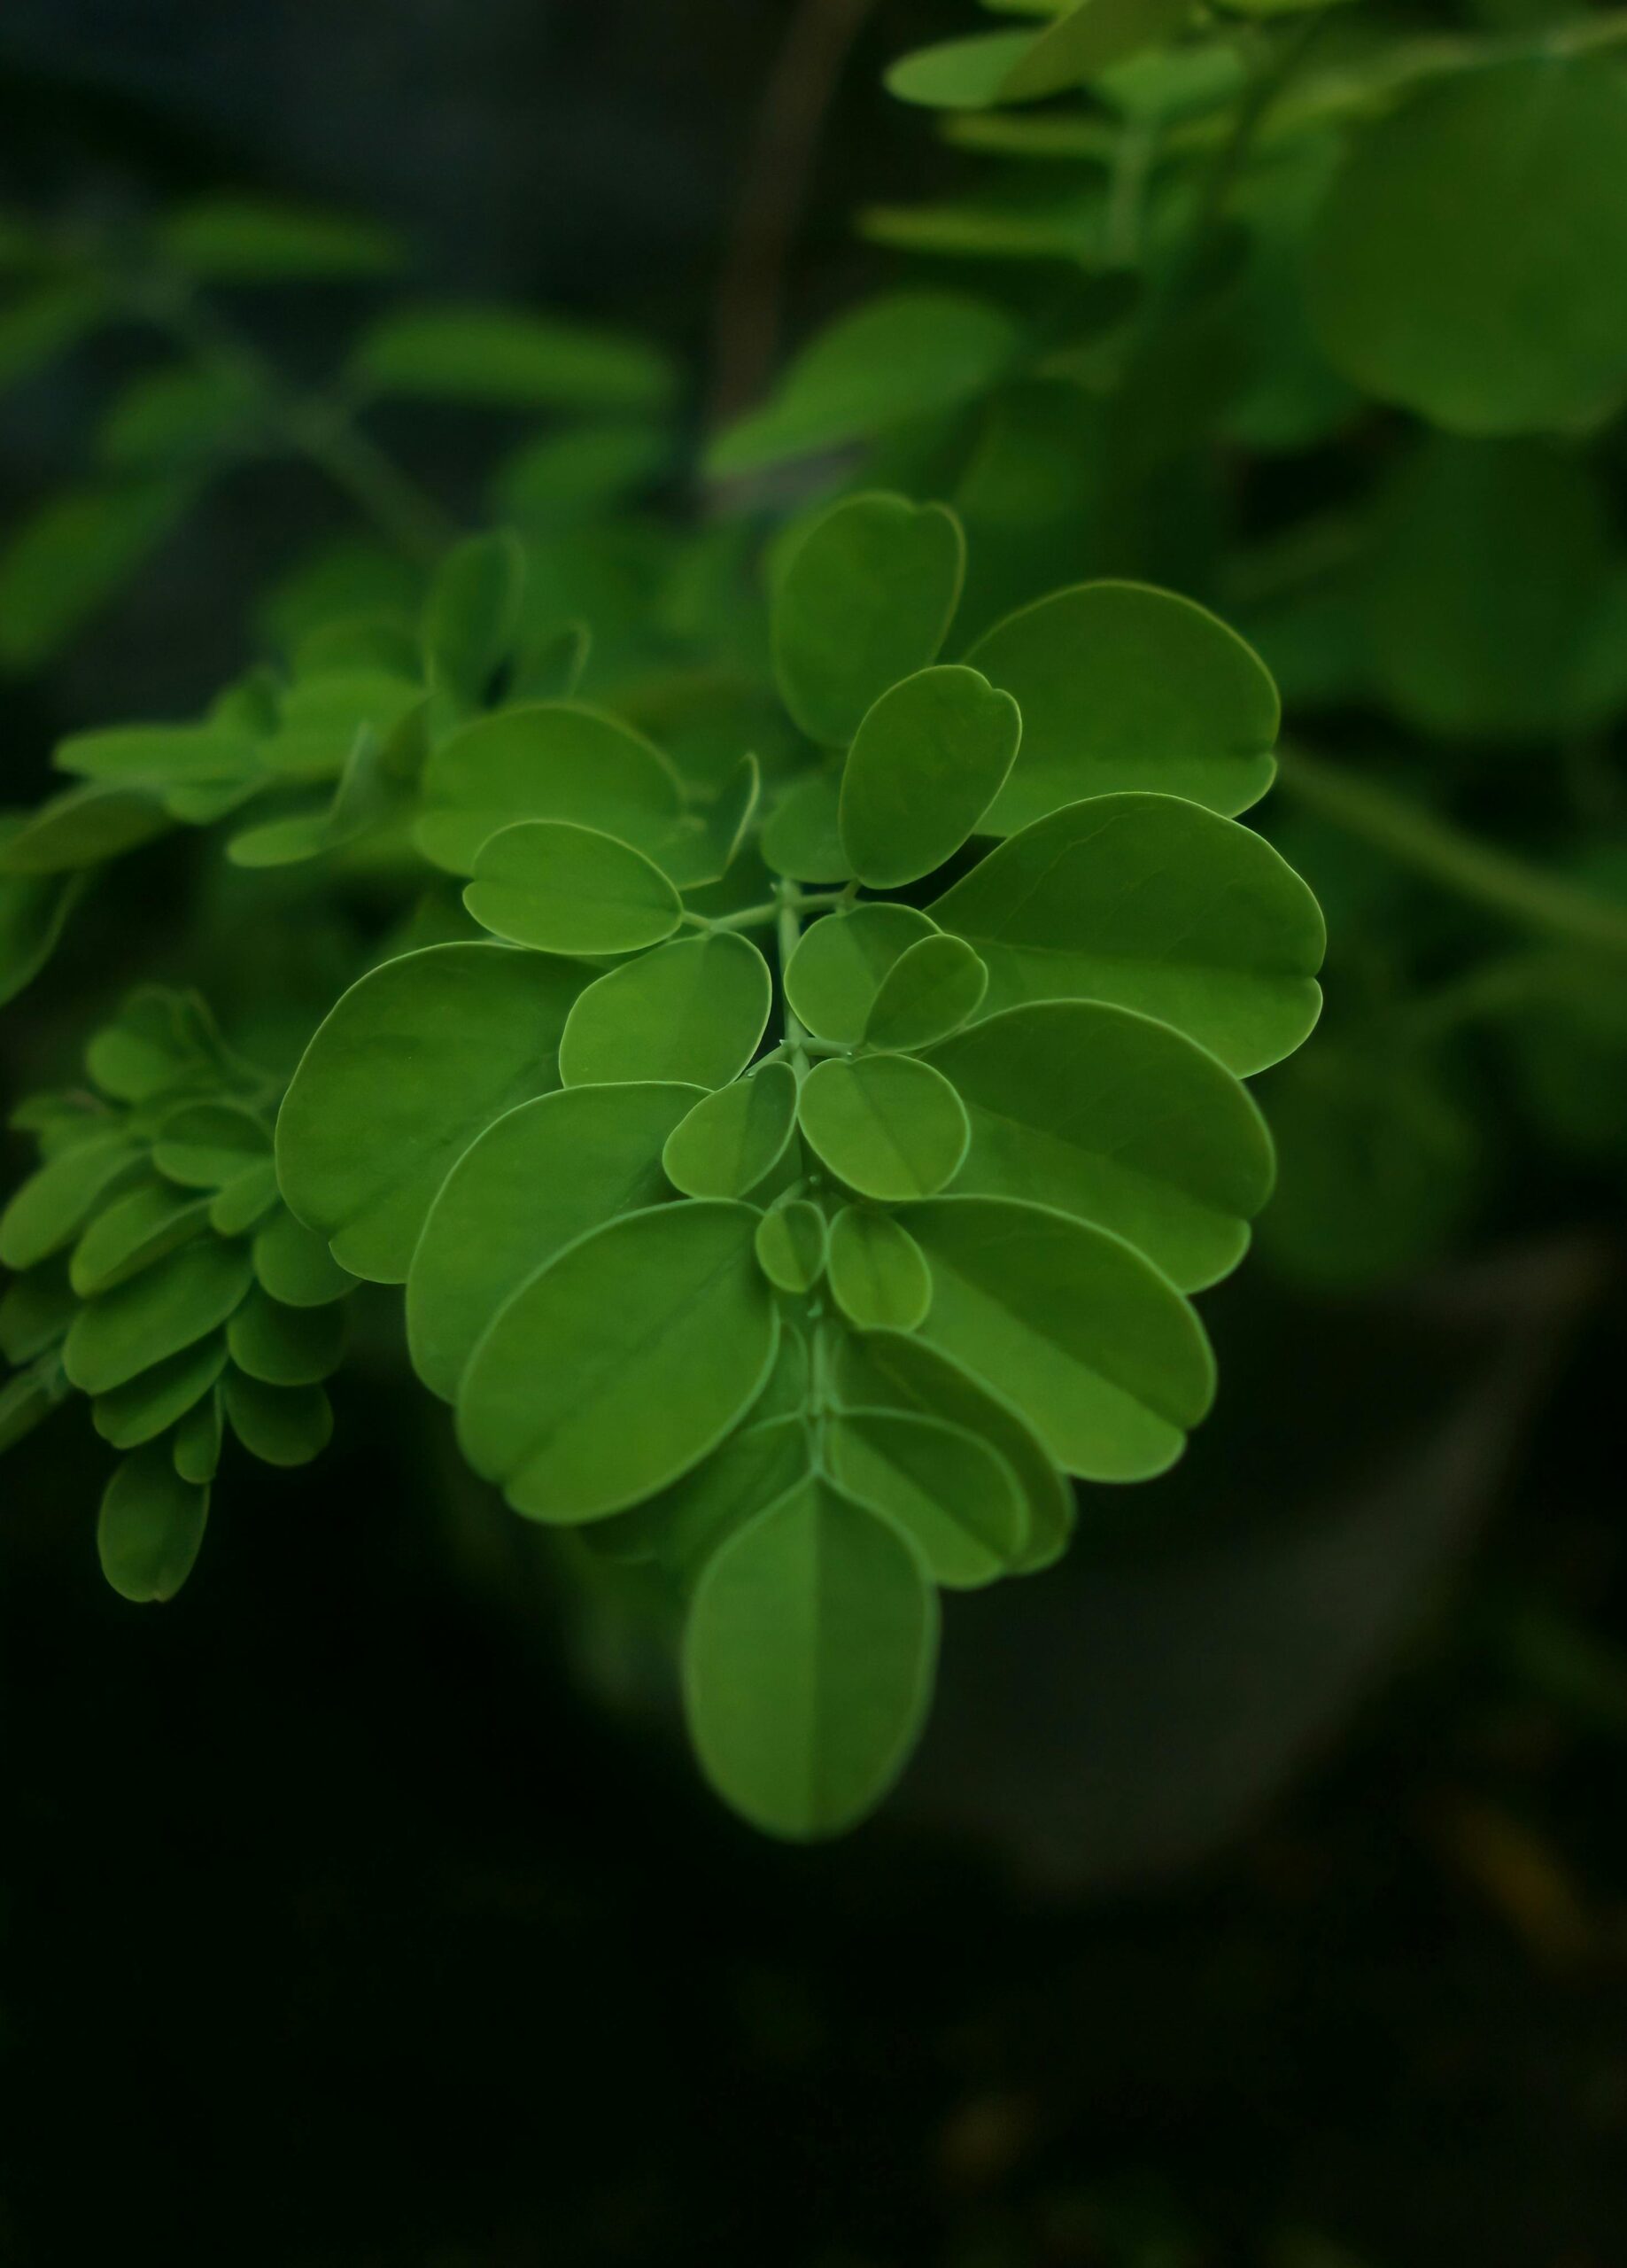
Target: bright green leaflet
{"type": "Point", "coordinates": [802, 837]}
{"type": "Point", "coordinates": [929, 991]}
{"type": "Point", "coordinates": [1122, 687]}
{"type": "Point", "coordinates": [994, 67]}
{"type": "Point", "coordinates": [409, 1065]}
{"type": "Point", "coordinates": [866, 599]}
{"type": "Point", "coordinates": [686, 1524]}
{"type": "Point", "coordinates": [929, 759]}
{"type": "Point", "coordinates": [208, 1144]}
{"type": "Point", "coordinates": [282, 1426]}
{"type": "Point", "coordinates": [889, 1126]}
{"type": "Point", "coordinates": [898, 358]}
{"type": "Point", "coordinates": [692, 1011]}
{"type": "Point", "coordinates": [733, 1138]}
{"type": "Point", "coordinates": [243, 1203]}
{"type": "Point", "coordinates": [195, 1443]}
{"type": "Point", "coordinates": [472, 613]}
{"type": "Point", "coordinates": [619, 1366]}
{"type": "Point", "coordinates": [134, 1232]}
{"type": "Point", "coordinates": [1099, 1352]}
{"type": "Point", "coordinates": [792, 1243]}
{"type": "Point", "coordinates": [1108, 1115]}
{"type": "Point", "coordinates": [570, 889]}
{"type": "Point", "coordinates": [538, 1178]}
{"type": "Point", "coordinates": [1156, 905]}
{"type": "Point", "coordinates": [150, 1528]}
{"type": "Point", "coordinates": [954, 1496]}
{"type": "Point", "coordinates": [80, 827]}
{"type": "Point", "coordinates": [159, 1398]}
{"type": "Point", "coordinates": [878, 1274]}
{"type": "Point", "coordinates": [551, 761]}
{"type": "Point", "coordinates": [156, 755]}
{"type": "Point", "coordinates": [808, 1662]}
{"type": "Point", "coordinates": [959, 74]}
{"type": "Point", "coordinates": [1467, 261]}
{"type": "Point", "coordinates": [281, 1346]}
{"type": "Point", "coordinates": [888, 1370]}
{"type": "Point", "coordinates": [177, 1301]}
{"type": "Point", "coordinates": [841, 963]}
{"type": "Point", "coordinates": [294, 1264]}
{"type": "Point", "coordinates": [508, 358]}
{"type": "Point", "coordinates": [48, 1210]}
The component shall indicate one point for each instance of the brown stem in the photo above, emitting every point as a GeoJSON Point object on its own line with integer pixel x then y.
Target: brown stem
{"type": "Point", "coordinates": [778, 168]}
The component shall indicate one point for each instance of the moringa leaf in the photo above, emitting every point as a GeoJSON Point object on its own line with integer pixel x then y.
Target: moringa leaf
{"type": "Point", "coordinates": [544, 760]}
{"type": "Point", "coordinates": [841, 963]}
{"type": "Point", "coordinates": [791, 1245]}
{"type": "Point", "coordinates": [281, 1426]}
{"type": "Point", "coordinates": [803, 836]}
{"type": "Point", "coordinates": [49, 1209]}
{"type": "Point", "coordinates": [472, 614]}
{"type": "Point", "coordinates": [27, 1400]}
{"type": "Point", "coordinates": [294, 1264]}
{"type": "Point", "coordinates": [237, 239]}
{"type": "Point", "coordinates": [733, 1138]}
{"type": "Point", "coordinates": [1155, 905]}
{"type": "Point", "coordinates": [929, 991]}
{"type": "Point", "coordinates": [808, 1662]}
{"type": "Point", "coordinates": [208, 1144]}
{"type": "Point", "coordinates": [178, 1300]}
{"type": "Point", "coordinates": [1122, 687]}
{"type": "Point", "coordinates": [570, 889]}
{"type": "Point", "coordinates": [693, 1011]}
{"type": "Point", "coordinates": [866, 599]}
{"type": "Point", "coordinates": [621, 1364]}
{"type": "Point", "coordinates": [686, 1524]}
{"type": "Point", "coordinates": [243, 1203]}
{"type": "Point", "coordinates": [1098, 1350]}
{"type": "Point", "coordinates": [34, 910]}
{"type": "Point", "coordinates": [1106, 1114]}
{"type": "Point", "coordinates": [150, 1528]}
{"type": "Point", "coordinates": [283, 1346]}
{"type": "Point", "coordinates": [889, 1126]}
{"type": "Point", "coordinates": [80, 827]}
{"type": "Point", "coordinates": [538, 1178]}
{"type": "Point", "coordinates": [929, 759]}
{"type": "Point", "coordinates": [953, 1495]}
{"type": "Point", "coordinates": [195, 1445]}
{"type": "Point", "coordinates": [148, 1405]}
{"type": "Point", "coordinates": [131, 1233]}
{"type": "Point", "coordinates": [35, 1310]}
{"type": "Point", "coordinates": [994, 67]}
{"type": "Point", "coordinates": [508, 358]}
{"type": "Point", "coordinates": [409, 1066]}
{"type": "Point", "coordinates": [879, 1273]}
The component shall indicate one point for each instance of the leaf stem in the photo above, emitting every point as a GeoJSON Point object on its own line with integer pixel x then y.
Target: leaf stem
{"type": "Point", "coordinates": [1449, 856]}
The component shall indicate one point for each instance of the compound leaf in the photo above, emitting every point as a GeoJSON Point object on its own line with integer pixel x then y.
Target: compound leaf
{"type": "Point", "coordinates": [841, 962]}
{"type": "Point", "coordinates": [159, 1398]}
{"type": "Point", "coordinates": [929, 991]}
{"type": "Point", "coordinates": [952, 1493]}
{"type": "Point", "coordinates": [169, 1306]}
{"type": "Point", "coordinates": [150, 1528]}
{"type": "Point", "coordinates": [131, 1233]}
{"type": "Point", "coordinates": [209, 1145]}
{"type": "Point", "coordinates": [544, 760]}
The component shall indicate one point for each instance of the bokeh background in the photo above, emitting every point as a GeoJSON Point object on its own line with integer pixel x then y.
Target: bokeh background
{"type": "Point", "coordinates": [1260, 1895]}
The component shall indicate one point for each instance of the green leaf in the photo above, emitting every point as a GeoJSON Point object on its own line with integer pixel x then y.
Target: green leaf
{"type": "Point", "coordinates": [549, 760]}
{"type": "Point", "coordinates": [507, 358]}
{"type": "Point", "coordinates": [238, 1208]}
{"type": "Point", "coordinates": [208, 1144]}
{"type": "Point", "coordinates": [34, 912]}
{"type": "Point", "coordinates": [472, 614]}
{"type": "Point", "coordinates": [36, 1311]}
{"type": "Point", "coordinates": [133, 1232]}
{"type": "Point", "coordinates": [907, 356]}
{"type": "Point", "coordinates": [808, 1663]}
{"type": "Point", "coordinates": [866, 599]}
{"type": "Point", "coordinates": [49, 1209]}
{"type": "Point", "coordinates": [27, 1400]}
{"type": "Point", "coordinates": [196, 1444]}
{"type": "Point", "coordinates": [929, 759]}
{"type": "Point", "coordinates": [959, 74]}
{"type": "Point", "coordinates": [283, 1345]}
{"type": "Point", "coordinates": [621, 1364]}
{"type": "Point", "coordinates": [1106, 1114]}
{"type": "Point", "coordinates": [706, 841]}
{"type": "Point", "coordinates": [803, 836]}
{"type": "Point", "coordinates": [570, 889]}
{"type": "Point", "coordinates": [156, 755]}
{"type": "Point", "coordinates": [373, 791]}
{"type": "Point", "coordinates": [878, 1276]}
{"type": "Point", "coordinates": [1121, 687]}
{"type": "Point", "coordinates": [733, 1138]}
{"type": "Point", "coordinates": [161, 1043]}
{"type": "Point", "coordinates": [171, 1305]}
{"type": "Point", "coordinates": [581, 473]}
{"type": "Point", "coordinates": [69, 559]}
{"type": "Point", "coordinates": [686, 1524]}
{"type": "Point", "coordinates": [170, 418]}
{"type": "Point", "coordinates": [148, 1405]}
{"type": "Point", "coordinates": [322, 719]}
{"type": "Point", "coordinates": [1466, 261]}
{"type": "Point", "coordinates": [282, 1425]}
{"type": "Point", "coordinates": [694, 1010]}
{"type": "Point", "coordinates": [1151, 904]}
{"type": "Point", "coordinates": [994, 67]}
{"type": "Point", "coordinates": [792, 1245]}
{"type": "Point", "coordinates": [410, 1065]}
{"type": "Point", "coordinates": [888, 1125]}
{"type": "Point", "coordinates": [1100, 1353]}
{"type": "Point", "coordinates": [236, 239]}
{"type": "Point", "coordinates": [886, 1370]}
{"type": "Point", "coordinates": [841, 963]}
{"type": "Point", "coordinates": [953, 1495]}
{"type": "Point", "coordinates": [150, 1528]}
{"type": "Point", "coordinates": [930, 991]}
{"type": "Point", "coordinates": [542, 1176]}
{"type": "Point", "coordinates": [80, 827]}
{"type": "Point", "coordinates": [294, 1264]}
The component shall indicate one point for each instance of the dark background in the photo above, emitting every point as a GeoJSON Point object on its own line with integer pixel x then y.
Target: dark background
{"type": "Point", "coordinates": [1259, 1897]}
